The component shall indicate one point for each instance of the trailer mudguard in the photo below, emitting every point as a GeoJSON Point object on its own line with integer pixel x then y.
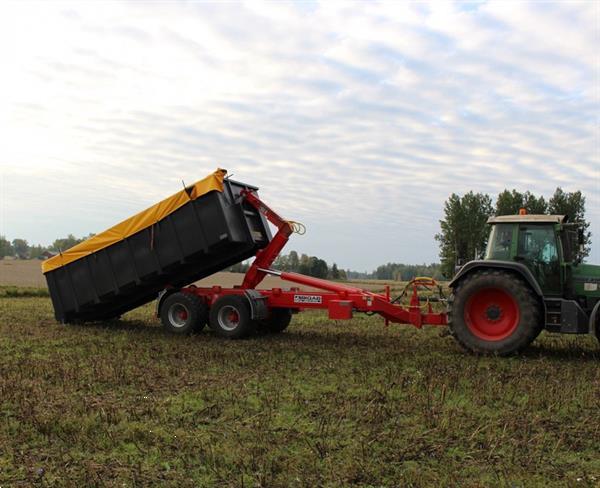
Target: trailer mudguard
{"type": "Point", "coordinates": [518, 268]}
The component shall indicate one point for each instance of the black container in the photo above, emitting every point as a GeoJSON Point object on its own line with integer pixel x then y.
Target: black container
{"type": "Point", "coordinates": [200, 238]}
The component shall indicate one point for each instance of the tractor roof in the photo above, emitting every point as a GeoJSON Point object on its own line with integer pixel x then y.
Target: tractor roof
{"type": "Point", "coordinates": [532, 219]}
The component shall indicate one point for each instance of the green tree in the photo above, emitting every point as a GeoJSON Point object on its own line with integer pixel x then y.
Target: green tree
{"type": "Point", "coordinates": [335, 272]}
{"type": "Point", "coordinates": [6, 248]}
{"type": "Point", "coordinates": [317, 267]}
{"type": "Point", "coordinates": [65, 243]}
{"type": "Point", "coordinates": [36, 251]}
{"type": "Point", "coordinates": [463, 233]}
{"type": "Point", "coordinates": [304, 266]}
{"type": "Point", "coordinates": [534, 205]}
{"type": "Point", "coordinates": [572, 204]}
{"type": "Point", "coordinates": [405, 272]}
{"type": "Point", "coordinates": [21, 248]}
{"type": "Point", "coordinates": [293, 261]}
{"type": "Point", "coordinates": [281, 263]}
{"type": "Point", "coordinates": [510, 202]}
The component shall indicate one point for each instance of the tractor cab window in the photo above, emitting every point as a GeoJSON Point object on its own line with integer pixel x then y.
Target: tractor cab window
{"type": "Point", "coordinates": [570, 239]}
{"type": "Point", "coordinates": [500, 242]}
{"type": "Point", "coordinates": [538, 251]}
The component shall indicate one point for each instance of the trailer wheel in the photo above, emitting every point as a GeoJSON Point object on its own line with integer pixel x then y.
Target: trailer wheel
{"type": "Point", "coordinates": [278, 321]}
{"type": "Point", "coordinates": [494, 312]}
{"type": "Point", "coordinates": [183, 313]}
{"type": "Point", "coordinates": [230, 317]}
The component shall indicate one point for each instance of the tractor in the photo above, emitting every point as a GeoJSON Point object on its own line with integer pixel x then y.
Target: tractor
{"type": "Point", "coordinates": [530, 279]}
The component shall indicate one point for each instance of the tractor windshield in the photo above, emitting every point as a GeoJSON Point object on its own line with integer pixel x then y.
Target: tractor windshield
{"type": "Point", "coordinates": [500, 242]}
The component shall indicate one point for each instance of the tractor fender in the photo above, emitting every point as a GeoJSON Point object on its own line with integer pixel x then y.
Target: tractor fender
{"type": "Point", "coordinates": [594, 322]}
{"type": "Point", "coordinates": [519, 268]}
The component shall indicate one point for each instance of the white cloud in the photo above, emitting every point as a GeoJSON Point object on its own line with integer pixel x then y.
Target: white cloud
{"type": "Point", "coordinates": [359, 119]}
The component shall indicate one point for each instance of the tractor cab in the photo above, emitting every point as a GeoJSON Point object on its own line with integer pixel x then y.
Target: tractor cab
{"type": "Point", "coordinates": [535, 241]}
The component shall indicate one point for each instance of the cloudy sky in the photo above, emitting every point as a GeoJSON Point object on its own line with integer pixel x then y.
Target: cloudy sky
{"type": "Point", "coordinates": [356, 118]}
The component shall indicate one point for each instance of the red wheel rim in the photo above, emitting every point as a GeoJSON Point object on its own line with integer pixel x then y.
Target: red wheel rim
{"type": "Point", "coordinates": [492, 314]}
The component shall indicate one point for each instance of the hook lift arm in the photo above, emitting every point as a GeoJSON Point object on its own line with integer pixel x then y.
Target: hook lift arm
{"type": "Point", "coordinates": [340, 299]}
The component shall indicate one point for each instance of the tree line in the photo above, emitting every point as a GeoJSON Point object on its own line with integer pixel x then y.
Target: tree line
{"type": "Point", "coordinates": [463, 235]}
{"type": "Point", "coordinates": [405, 272]}
{"type": "Point", "coordinates": [293, 262]}
{"type": "Point", "coordinates": [319, 268]}
{"type": "Point", "coordinates": [21, 249]}
{"type": "Point", "coordinates": [303, 264]}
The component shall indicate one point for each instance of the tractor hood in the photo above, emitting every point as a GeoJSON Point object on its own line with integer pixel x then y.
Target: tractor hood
{"type": "Point", "coordinates": [586, 279]}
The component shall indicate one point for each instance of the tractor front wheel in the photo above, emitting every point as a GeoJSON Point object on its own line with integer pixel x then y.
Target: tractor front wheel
{"type": "Point", "coordinates": [494, 312]}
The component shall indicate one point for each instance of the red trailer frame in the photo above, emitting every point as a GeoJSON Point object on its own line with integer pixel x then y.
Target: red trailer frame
{"type": "Point", "coordinates": [340, 300]}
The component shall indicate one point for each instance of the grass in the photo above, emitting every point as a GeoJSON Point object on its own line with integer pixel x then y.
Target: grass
{"type": "Point", "coordinates": [22, 291]}
{"type": "Point", "coordinates": [323, 404]}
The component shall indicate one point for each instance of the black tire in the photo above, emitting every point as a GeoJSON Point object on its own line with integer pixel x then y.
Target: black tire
{"type": "Point", "coordinates": [183, 313]}
{"type": "Point", "coordinates": [278, 321]}
{"type": "Point", "coordinates": [230, 317]}
{"type": "Point", "coordinates": [494, 312]}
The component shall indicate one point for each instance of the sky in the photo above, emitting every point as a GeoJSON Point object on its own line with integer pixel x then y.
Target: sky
{"type": "Point", "coordinates": [358, 119]}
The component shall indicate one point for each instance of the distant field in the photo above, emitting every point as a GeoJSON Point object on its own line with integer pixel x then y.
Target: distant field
{"type": "Point", "coordinates": [325, 403]}
{"type": "Point", "coordinates": [29, 273]}
{"type": "Point", "coordinates": [21, 273]}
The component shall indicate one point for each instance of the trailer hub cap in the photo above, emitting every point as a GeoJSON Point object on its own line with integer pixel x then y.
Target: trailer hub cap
{"type": "Point", "coordinates": [229, 317]}
{"type": "Point", "coordinates": [492, 314]}
{"type": "Point", "coordinates": [178, 315]}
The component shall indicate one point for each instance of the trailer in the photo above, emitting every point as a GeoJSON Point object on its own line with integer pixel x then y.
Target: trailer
{"type": "Point", "coordinates": [237, 312]}
{"type": "Point", "coordinates": [202, 229]}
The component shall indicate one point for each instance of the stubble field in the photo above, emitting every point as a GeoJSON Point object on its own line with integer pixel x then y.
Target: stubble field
{"type": "Point", "coordinates": [323, 404]}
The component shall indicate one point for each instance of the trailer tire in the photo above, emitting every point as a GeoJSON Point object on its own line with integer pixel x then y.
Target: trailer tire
{"type": "Point", "coordinates": [183, 313]}
{"type": "Point", "coordinates": [230, 317]}
{"type": "Point", "coordinates": [277, 322]}
{"type": "Point", "coordinates": [494, 312]}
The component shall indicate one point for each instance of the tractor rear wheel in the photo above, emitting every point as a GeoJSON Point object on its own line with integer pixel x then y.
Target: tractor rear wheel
{"type": "Point", "coordinates": [494, 312]}
{"type": "Point", "coordinates": [183, 313]}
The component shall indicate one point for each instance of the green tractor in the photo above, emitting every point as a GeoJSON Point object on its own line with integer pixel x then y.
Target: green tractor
{"type": "Point", "coordinates": [529, 280]}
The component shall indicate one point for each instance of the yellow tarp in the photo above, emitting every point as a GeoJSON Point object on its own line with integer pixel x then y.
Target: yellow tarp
{"type": "Point", "coordinates": [138, 222]}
